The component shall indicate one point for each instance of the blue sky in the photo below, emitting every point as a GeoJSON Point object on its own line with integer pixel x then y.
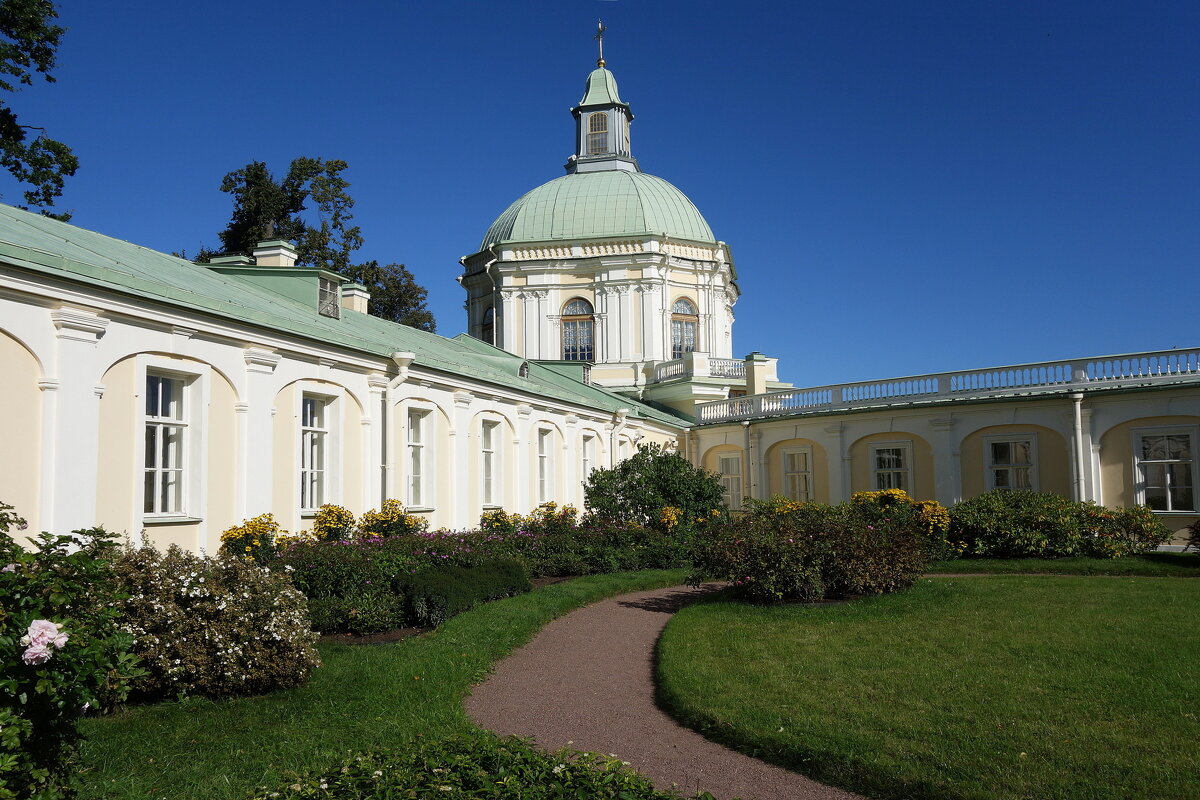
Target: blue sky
{"type": "Point", "coordinates": [906, 187]}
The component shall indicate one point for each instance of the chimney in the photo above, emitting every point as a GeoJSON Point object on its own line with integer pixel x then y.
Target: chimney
{"type": "Point", "coordinates": [355, 297]}
{"type": "Point", "coordinates": [759, 370]}
{"type": "Point", "coordinates": [275, 253]}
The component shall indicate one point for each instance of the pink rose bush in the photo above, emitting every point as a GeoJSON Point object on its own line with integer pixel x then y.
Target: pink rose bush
{"type": "Point", "coordinates": [40, 638]}
{"type": "Point", "coordinates": [61, 652]}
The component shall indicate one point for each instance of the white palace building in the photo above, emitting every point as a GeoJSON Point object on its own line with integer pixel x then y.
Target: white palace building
{"type": "Point", "coordinates": [144, 392]}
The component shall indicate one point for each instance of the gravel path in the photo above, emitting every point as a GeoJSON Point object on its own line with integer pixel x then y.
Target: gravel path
{"type": "Point", "coordinates": [587, 681]}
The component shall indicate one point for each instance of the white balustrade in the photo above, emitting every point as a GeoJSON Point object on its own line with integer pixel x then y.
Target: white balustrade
{"type": "Point", "coordinates": [727, 368]}
{"type": "Point", "coordinates": [1135, 369]}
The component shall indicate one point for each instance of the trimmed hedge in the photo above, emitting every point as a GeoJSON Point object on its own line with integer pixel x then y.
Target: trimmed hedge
{"type": "Point", "coordinates": [477, 767]}
{"type": "Point", "coordinates": [1024, 524]}
{"type": "Point", "coordinates": [435, 595]}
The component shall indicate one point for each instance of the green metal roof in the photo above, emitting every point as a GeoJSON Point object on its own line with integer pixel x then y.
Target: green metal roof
{"type": "Point", "coordinates": [600, 89]}
{"type": "Point", "coordinates": [48, 247]}
{"type": "Point", "coordinates": [604, 203]}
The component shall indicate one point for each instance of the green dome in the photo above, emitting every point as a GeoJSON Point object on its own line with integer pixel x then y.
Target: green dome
{"type": "Point", "coordinates": [584, 205]}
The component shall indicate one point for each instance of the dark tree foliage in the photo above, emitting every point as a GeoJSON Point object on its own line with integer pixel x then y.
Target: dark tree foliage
{"type": "Point", "coordinates": [28, 44]}
{"type": "Point", "coordinates": [637, 489]}
{"type": "Point", "coordinates": [265, 207]}
{"type": "Point", "coordinates": [395, 294]}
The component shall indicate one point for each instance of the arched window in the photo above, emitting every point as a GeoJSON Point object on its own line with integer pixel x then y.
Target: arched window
{"type": "Point", "coordinates": [577, 326]}
{"type": "Point", "coordinates": [597, 140]}
{"type": "Point", "coordinates": [487, 331]}
{"type": "Point", "coordinates": [683, 328]}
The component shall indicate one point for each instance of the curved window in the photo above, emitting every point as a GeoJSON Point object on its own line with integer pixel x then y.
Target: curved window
{"type": "Point", "coordinates": [577, 329]}
{"type": "Point", "coordinates": [684, 322]}
{"type": "Point", "coordinates": [597, 140]}
{"type": "Point", "coordinates": [487, 331]}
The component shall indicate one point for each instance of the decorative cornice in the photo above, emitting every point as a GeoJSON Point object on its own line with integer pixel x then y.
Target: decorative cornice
{"type": "Point", "coordinates": [463, 398]}
{"type": "Point", "coordinates": [78, 325]}
{"type": "Point", "coordinates": [259, 360]}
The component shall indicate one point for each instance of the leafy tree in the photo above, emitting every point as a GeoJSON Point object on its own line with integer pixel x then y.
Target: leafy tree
{"type": "Point", "coordinates": [395, 294]}
{"type": "Point", "coordinates": [636, 490]}
{"type": "Point", "coordinates": [265, 207]}
{"type": "Point", "coordinates": [28, 44]}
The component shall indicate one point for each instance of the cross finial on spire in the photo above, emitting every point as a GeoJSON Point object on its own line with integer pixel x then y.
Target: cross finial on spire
{"type": "Point", "coordinates": [600, 29]}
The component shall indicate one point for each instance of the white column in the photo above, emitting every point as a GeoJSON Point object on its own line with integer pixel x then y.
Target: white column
{"type": "Point", "coordinates": [625, 323]}
{"type": "Point", "coordinates": [74, 450]}
{"type": "Point", "coordinates": [839, 462]}
{"type": "Point", "coordinates": [542, 326]}
{"type": "Point", "coordinates": [524, 450]}
{"type": "Point", "coordinates": [507, 323]}
{"type": "Point", "coordinates": [260, 420]}
{"type": "Point", "coordinates": [374, 434]}
{"type": "Point", "coordinates": [463, 513]}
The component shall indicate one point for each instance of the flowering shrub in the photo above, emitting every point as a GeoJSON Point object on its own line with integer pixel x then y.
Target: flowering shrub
{"type": "Point", "coordinates": [333, 523]}
{"type": "Point", "coordinates": [256, 539]}
{"type": "Point", "coordinates": [1023, 524]}
{"type": "Point", "coordinates": [498, 521]}
{"type": "Point", "coordinates": [476, 767]}
{"type": "Point", "coordinates": [784, 550]}
{"type": "Point", "coordinates": [635, 491]}
{"type": "Point", "coordinates": [930, 516]}
{"type": "Point", "coordinates": [61, 653]}
{"type": "Point", "coordinates": [391, 520]}
{"type": "Point", "coordinates": [212, 627]}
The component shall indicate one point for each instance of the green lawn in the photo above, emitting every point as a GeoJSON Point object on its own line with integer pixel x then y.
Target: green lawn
{"type": "Point", "coordinates": [1151, 564]}
{"type": "Point", "coordinates": [364, 696]}
{"type": "Point", "coordinates": [1009, 687]}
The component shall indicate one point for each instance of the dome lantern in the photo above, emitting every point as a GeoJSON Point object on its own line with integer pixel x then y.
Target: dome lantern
{"type": "Point", "coordinates": [602, 122]}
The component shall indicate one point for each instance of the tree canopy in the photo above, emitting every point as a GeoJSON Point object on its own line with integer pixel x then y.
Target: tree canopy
{"type": "Point", "coordinates": [265, 207]}
{"type": "Point", "coordinates": [28, 45]}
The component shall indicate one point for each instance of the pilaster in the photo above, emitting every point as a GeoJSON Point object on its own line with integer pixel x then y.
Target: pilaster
{"type": "Point", "coordinates": [259, 446]}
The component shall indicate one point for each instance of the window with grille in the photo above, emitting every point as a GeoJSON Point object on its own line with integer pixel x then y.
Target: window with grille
{"type": "Point", "coordinates": [487, 331]}
{"type": "Point", "coordinates": [1166, 468]}
{"type": "Point", "coordinates": [1011, 462]}
{"type": "Point", "coordinates": [684, 322]}
{"type": "Point", "coordinates": [487, 446]}
{"type": "Point", "coordinates": [314, 433]}
{"type": "Point", "coordinates": [417, 496]}
{"type": "Point", "coordinates": [166, 429]}
{"type": "Point", "coordinates": [545, 441]}
{"type": "Point", "coordinates": [597, 138]}
{"type": "Point", "coordinates": [891, 466]}
{"type": "Point", "coordinates": [329, 299]}
{"type": "Point", "coordinates": [729, 468]}
{"type": "Point", "coordinates": [578, 325]}
{"type": "Point", "coordinates": [797, 474]}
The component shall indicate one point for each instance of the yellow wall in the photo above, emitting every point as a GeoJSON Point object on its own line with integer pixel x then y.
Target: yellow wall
{"type": "Point", "coordinates": [1117, 478]}
{"type": "Point", "coordinates": [820, 468]}
{"type": "Point", "coordinates": [1053, 455]}
{"type": "Point", "coordinates": [20, 430]}
{"type": "Point", "coordinates": [922, 467]}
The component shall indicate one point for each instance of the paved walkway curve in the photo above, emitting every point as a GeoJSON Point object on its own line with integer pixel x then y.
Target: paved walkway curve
{"type": "Point", "coordinates": [587, 681]}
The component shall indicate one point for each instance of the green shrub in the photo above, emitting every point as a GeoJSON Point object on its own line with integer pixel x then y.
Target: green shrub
{"type": "Point", "coordinates": [435, 595]}
{"type": "Point", "coordinates": [212, 627]}
{"type": "Point", "coordinates": [61, 653]}
{"type": "Point", "coordinates": [1193, 539]}
{"type": "Point", "coordinates": [810, 551]}
{"type": "Point", "coordinates": [352, 587]}
{"type": "Point", "coordinates": [635, 491]}
{"type": "Point", "coordinates": [392, 519]}
{"type": "Point", "coordinates": [1025, 524]}
{"type": "Point", "coordinates": [478, 767]}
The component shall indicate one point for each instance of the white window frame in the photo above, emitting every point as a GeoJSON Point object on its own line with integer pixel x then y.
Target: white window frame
{"type": "Point", "coordinates": [989, 467]}
{"type": "Point", "coordinates": [545, 464]}
{"type": "Point", "coordinates": [906, 470]}
{"type": "Point", "coordinates": [489, 463]}
{"type": "Point", "coordinates": [314, 437]}
{"type": "Point", "coordinates": [587, 456]}
{"type": "Point", "coordinates": [786, 474]}
{"type": "Point", "coordinates": [1140, 476]}
{"type": "Point", "coordinates": [731, 481]}
{"type": "Point", "coordinates": [195, 379]}
{"type": "Point", "coordinates": [417, 461]}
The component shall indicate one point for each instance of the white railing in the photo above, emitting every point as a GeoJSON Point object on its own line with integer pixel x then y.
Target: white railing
{"type": "Point", "coordinates": [1160, 366]}
{"type": "Point", "coordinates": [727, 368]}
{"type": "Point", "coordinates": [669, 369]}
{"type": "Point", "coordinates": [699, 365]}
